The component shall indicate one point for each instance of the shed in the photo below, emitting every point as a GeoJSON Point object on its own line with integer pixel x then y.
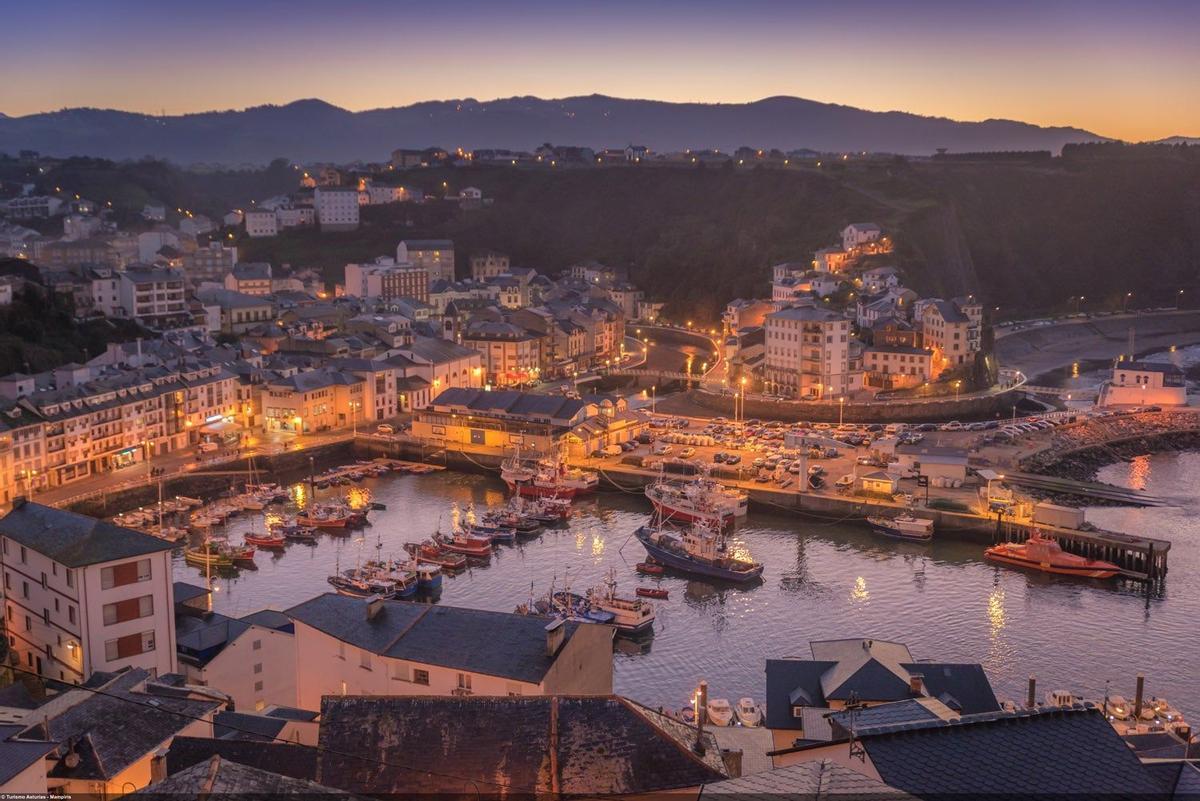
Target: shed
{"type": "Point", "coordinates": [880, 483]}
{"type": "Point", "coordinates": [935, 461]}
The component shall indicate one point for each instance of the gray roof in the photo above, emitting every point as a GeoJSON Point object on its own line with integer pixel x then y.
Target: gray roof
{"type": "Point", "coordinates": [199, 640]}
{"type": "Point", "coordinates": [807, 781]}
{"type": "Point", "coordinates": [223, 778]}
{"type": "Point", "coordinates": [75, 540]}
{"type": "Point", "coordinates": [1151, 367]}
{"type": "Point", "coordinates": [494, 643]}
{"type": "Point", "coordinates": [593, 745]}
{"type": "Point", "coordinates": [934, 451]}
{"type": "Point", "coordinates": [909, 711]}
{"type": "Point", "coordinates": [1059, 751]}
{"type": "Point", "coordinates": [949, 312]}
{"type": "Point", "coordinates": [245, 726]}
{"type": "Point", "coordinates": [252, 270]}
{"type": "Point", "coordinates": [269, 619]}
{"type": "Point", "coordinates": [438, 351]}
{"type": "Point", "coordinates": [429, 244]}
{"type": "Point", "coordinates": [115, 729]}
{"type": "Point", "coordinates": [810, 314]}
{"type": "Point", "coordinates": [556, 408]}
{"type": "Point", "coordinates": [17, 755]}
{"type": "Point", "coordinates": [187, 592]}
{"type": "Point", "coordinates": [286, 759]}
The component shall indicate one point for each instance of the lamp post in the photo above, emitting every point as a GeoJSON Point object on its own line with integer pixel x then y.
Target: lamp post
{"type": "Point", "coordinates": [1125, 301]}
{"type": "Point", "coordinates": [957, 386]}
{"type": "Point", "coordinates": [653, 407]}
{"type": "Point", "coordinates": [841, 409]}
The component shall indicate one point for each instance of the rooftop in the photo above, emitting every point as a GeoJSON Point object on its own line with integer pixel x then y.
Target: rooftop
{"type": "Point", "coordinates": [17, 755]}
{"type": "Point", "coordinates": [807, 781]}
{"type": "Point", "coordinates": [296, 761]}
{"type": "Point", "coordinates": [72, 539]}
{"type": "Point", "coordinates": [219, 777]}
{"type": "Point", "coordinates": [511, 403]}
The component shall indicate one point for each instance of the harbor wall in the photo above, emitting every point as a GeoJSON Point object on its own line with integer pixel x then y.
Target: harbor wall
{"type": "Point", "coordinates": [990, 407]}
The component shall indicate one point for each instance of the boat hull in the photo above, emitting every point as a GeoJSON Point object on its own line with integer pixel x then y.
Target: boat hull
{"type": "Point", "coordinates": [1080, 571]}
{"type": "Point", "coordinates": [885, 530]}
{"type": "Point", "coordinates": [693, 567]}
{"type": "Point", "coordinates": [669, 511]}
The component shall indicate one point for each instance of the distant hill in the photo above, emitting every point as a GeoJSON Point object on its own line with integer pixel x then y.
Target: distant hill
{"type": "Point", "coordinates": [313, 130]}
{"type": "Point", "coordinates": [1192, 141]}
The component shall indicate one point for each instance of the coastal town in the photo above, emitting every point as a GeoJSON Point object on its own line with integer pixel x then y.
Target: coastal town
{"type": "Point", "coordinates": [465, 497]}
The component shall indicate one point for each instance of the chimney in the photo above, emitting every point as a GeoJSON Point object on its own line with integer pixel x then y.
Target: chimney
{"type": "Point", "coordinates": [556, 632]}
{"type": "Point", "coordinates": [916, 683]}
{"type": "Point", "coordinates": [374, 607]}
{"type": "Point", "coordinates": [1031, 694]}
{"type": "Point", "coordinates": [732, 757]}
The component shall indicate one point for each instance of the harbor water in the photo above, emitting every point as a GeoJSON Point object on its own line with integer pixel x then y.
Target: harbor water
{"type": "Point", "coordinates": [822, 580]}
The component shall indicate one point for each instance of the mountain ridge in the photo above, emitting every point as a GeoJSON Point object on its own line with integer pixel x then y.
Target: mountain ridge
{"type": "Point", "coordinates": [312, 129]}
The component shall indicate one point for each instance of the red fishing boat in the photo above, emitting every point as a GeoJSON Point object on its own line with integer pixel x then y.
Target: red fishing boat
{"type": "Point", "coordinates": [329, 517]}
{"type": "Point", "coordinates": [650, 568]}
{"type": "Point", "coordinates": [651, 592]}
{"type": "Point", "coordinates": [1046, 555]}
{"type": "Point", "coordinates": [466, 544]}
{"type": "Point", "coordinates": [270, 541]}
{"type": "Point", "coordinates": [431, 553]}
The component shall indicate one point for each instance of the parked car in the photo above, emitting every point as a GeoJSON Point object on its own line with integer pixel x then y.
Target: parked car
{"type": "Point", "coordinates": [613, 450]}
{"type": "Point", "coordinates": [385, 428]}
{"type": "Point", "coordinates": [661, 449]}
{"type": "Point", "coordinates": [687, 453]}
{"type": "Point", "coordinates": [720, 456]}
{"type": "Point", "coordinates": [732, 458]}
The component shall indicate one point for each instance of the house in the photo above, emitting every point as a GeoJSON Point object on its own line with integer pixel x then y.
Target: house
{"type": "Point", "coordinates": [1141, 383]}
{"type": "Point", "coordinates": [879, 483]}
{"type": "Point", "coordinates": [286, 759]}
{"type": "Point", "coordinates": [261, 223]}
{"type": "Point", "coordinates": [1050, 752]}
{"type": "Point", "coordinates": [896, 366]}
{"type": "Point", "coordinates": [252, 659]}
{"type": "Point", "coordinates": [554, 746]}
{"type": "Point", "coordinates": [511, 354]}
{"type": "Point", "coordinates": [945, 329]}
{"type": "Point", "coordinates": [856, 235]}
{"type": "Point", "coordinates": [442, 363]}
{"type": "Point", "coordinates": [879, 279]}
{"type": "Point", "coordinates": [250, 278]}
{"type": "Point", "coordinates": [222, 778]}
{"type": "Point", "coordinates": [239, 312]}
{"type": "Point", "coordinates": [488, 264]}
{"type": "Point", "coordinates": [153, 295]}
{"type": "Point", "coordinates": [802, 692]}
{"type": "Point", "coordinates": [436, 256]}
{"type": "Point", "coordinates": [354, 646]}
{"type": "Point", "coordinates": [934, 461]}
{"type": "Point", "coordinates": [83, 595]}
{"type": "Point", "coordinates": [313, 400]}
{"type": "Point", "coordinates": [812, 780]}
{"type": "Point", "coordinates": [108, 736]}
{"type": "Point", "coordinates": [807, 353]}
{"type": "Point", "coordinates": [22, 762]}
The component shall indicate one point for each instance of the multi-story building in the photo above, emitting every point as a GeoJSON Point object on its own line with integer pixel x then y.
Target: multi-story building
{"type": "Point", "coordinates": [511, 354]}
{"type": "Point", "coordinates": [949, 333]}
{"type": "Point", "coordinates": [33, 207]}
{"type": "Point", "coordinates": [442, 363]}
{"type": "Point", "coordinates": [153, 295]}
{"type": "Point", "coordinates": [744, 313]}
{"type": "Point", "coordinates": [290, 216]}
{"type": "Point", "coordinates": [387, 279]}
{"type": "Point", "coordinates": [261, 223]}
{"type": "Point", "coordinates": [856, 235]}
{"type": "Point", "coordinates": [488, 264]}
{"type": "Point", "coordinates": [435, 255]}
{"type": "Point", "coordinates": [315, 400]}
{"type": "Point", "coordinates": [65, 255]}
{"type": "Point", "coordinates": [238, 312]}
{"type": "Point", "coordinates": [250, 278]}
{"type": "Point", "coordinates": [82, 595]}
{"type": "Point", "coordinates": [830, 260]}
{"type": "Point", "coordinates": [336, 208]}
{"type": "Point", "coordinates": [807, 353]}
{"type": "Point", "coordinates": [896, 366]}
{"type": "Point", "coordinates": [210, 263]}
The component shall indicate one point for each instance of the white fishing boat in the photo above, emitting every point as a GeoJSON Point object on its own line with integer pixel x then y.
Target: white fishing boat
{"type": "Point", "coordinates": [631, 616]}
{"type": "Point", "coordinates": [903, 526]}
{"type": "Point", "coordinates": [720, 713]}
{"type": "Point", "coordinates": [748, 713]}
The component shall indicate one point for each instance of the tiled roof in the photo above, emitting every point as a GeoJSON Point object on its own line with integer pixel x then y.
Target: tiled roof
{"type": "Point", "coordinates": [501, 644]}
{"type": "Point", "coordinates": [594, 745]}
{"type": "Point", "coordinates": [556, 408]}
{"type": "Point", "coordinates": [1061, 751]}
{"type": "Point", "coordinates": [75, 540]}
{"type": "Point", "coordinates": [244, 726]}
{"type": "Point", "coordinates": [296, 761]}
{"type": "Point", "coordinates": [224, 778]}
{"type": "Point", "coordinates": [949, 312]}
{"type": "Point", "coordinates": [807, 781]}
{"type": "Point", "coordinates": [16, 756]}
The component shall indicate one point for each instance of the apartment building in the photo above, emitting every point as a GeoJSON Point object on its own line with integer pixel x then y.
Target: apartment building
{"type": "Point", "coordinates": [896, 366]}
{"type": "Point", "coordinates": [511, 354]}
{"type": "Point", "coordinates": [250, 278]}
{"type": "Point", "coordinates": [315, 400]}
{"type": "Point", "coordinates": [443, 364]}
{"type": "Point", "coordinates": [261, 223]}
{"type": "Point", "coordinates": [386, 279]}
{"type": "Point", "coordinates": [336, 208]}
{"type": "Point", "coordinates": [210, 263]}
{"type": "Point", "coordinates": [153, 295]}
{"type": "Point", "coordinates": [488, 264]}
{"type": "Point", "coordinates": [807, 353]}
{"type": "Point", "coordinates": [435, 255]}
{"type": "Point", "coordinates": [82, 595]}
{"type": "Point", "coordinates": [952, 335]}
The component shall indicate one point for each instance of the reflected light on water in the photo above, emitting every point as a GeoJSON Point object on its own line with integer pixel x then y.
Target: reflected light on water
{"type": "Point", "coordinates": [995, 611]}
{"type": "Point", "coordinates": [597, 546]}
{"type": "Point", "coordinates": [859, 592]}
{"type": "Point", "coordinates": [1139, 472]}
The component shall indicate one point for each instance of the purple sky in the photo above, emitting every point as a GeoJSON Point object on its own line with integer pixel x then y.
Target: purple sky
{"type": "Point", "coordinates": [1120, 69]}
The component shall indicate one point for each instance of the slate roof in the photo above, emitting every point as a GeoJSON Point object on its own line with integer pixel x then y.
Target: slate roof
{"type": "Point", "coordinates": [494, 643]}
{"type": "Point", "coordinates": [1061, 751]}
{"type": "Point", "coordinates": [807, 781]}
{"type": "Point", "coordinates": [16, 696]}
{"type": "Point", "coordinates": [590, 745]}
{"type": "Point", "coordinates": [511, 403]}
{"type": "Point", "coordinates": [806, 314]}
{"type": "Point", "coordinates": [286, 759]}
{"type": "Point", "coordinates": [438, 351]}
{"type": "Point", "coordinates": [949, 312]}
{"type": "Point", "coordinates": [222, 778]}
{"type": "Point", "coordinates": [75, 540]}
{"type": "Point", "coordinates": [16, 755]}
{"type": "Point", "coordinates": [429, 244]}
{"type": "Point", "coordinates": [270, 619]}
{"type": "Point", "coordinates": [244, 726]}
{"type": "Point", "coordinates": [908, 711]}
{"type": "Point", "coordinates": [113, 730]}
{"type": "Point", "coordinates": [186, 592]}
{"type": "Point", "coordinates": [199, 640]}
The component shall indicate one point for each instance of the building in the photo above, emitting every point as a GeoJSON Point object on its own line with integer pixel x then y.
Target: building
{"type": "Point", "coordinates": [250, 278]}
{"type": "Point", "coordinates": [387, 279]}
{"type": "Point", "coordinates": [856, 235]}
{"type": "Point", "coordinates": [1140, 383]}
{"type": "Point", "coordinates": [63, 255]}
{"type": "Point", "coordinates": [110, 737]}
{"type": "Point", "coordinates": [251, 659]}
{"type": "Point", "coordinates": [488, 264]}
{"type": "Point", "coordinates": [314, 400]}
{"type": "Point", "coordinates": [511, 354]}
{"type": "Point", "coordinates": [32, 207]}
{"type": "Point", "coordinates": [239, 311]}
{"type": "Point", "coordinates": [811, 780]}
{"type": "Point", "coordinates": [261, 223]}
{"type": "Point", "coordinates": [553, 747]}
{"type": "Point", "coordinates": [354, 646]}
{"type": "Point", "coordinates": [436, 256]}
{"type": "Point", "coordinates": [896, 366]}
{"type": "Point", "coordinates": [745, 313]}
{"type": "Point", "coordinates": [947, 331]}
{"type": "Point", "coordinates": [934, 461]}
{"type": "Point", "coordinates": [22, 762]}
{"type": "Point", "coordinates": [210, 263]}
{"type": "Point", "coordinates": [83, 595]}
{"type": "Point", "coordinates": [336, 208]}
{"type": "Point", "coordinates": [801, 692]}
{"type": "Point", "coordinates": [153, 295]}
{"type": "Point", "coordinates": [807, 353]}
{"type": "Point", "coordinates": [830, 260]}
{"type": "Point", "coordinates": [443, 364]}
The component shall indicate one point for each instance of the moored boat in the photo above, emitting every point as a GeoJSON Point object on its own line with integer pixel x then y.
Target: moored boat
{"type": "Point", "coordinates": [650, 568]}
{"type": "Point", "coordinates": [432, 553]}
{"type": "Point", "coordinates": [537, 478]}
{"type": "Point", "coordinates": [700, 550]}
{"type": "Point", "coordinates": [748, 713]}
{"type": "Point", "coordinates": [652, 592]}
{"type": "Point", "coordinates": [270, 540]}
{"type": "Point", "coordinates": [207, 555]}
{"type": "Point", "coordinates": [631, 616]}
{"type": "Point", "coordinates": [1046, 555]}
{"type": "Point", "coordinates": [720, 713]}
{"type": "Point", "coordinates": [903, 526]}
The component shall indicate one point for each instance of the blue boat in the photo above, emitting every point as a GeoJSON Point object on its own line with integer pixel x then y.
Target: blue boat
{"type": "Point", "coordinates": [699, 550]}
{"type": "Point", "coordinates": [491, 531]}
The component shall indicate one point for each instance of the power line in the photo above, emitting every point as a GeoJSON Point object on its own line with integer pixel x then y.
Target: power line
{"type": "Point", "coordinates": [258, 737]}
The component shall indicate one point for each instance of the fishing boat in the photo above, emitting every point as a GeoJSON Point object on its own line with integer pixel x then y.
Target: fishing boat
{"type": "Point", "coordinates": [466, 544]}
{"type": "Point", "coordinates": [325, 517]}
{"type": "Point", "coordinates": [650, 568]}
{"type": "Point", "coordinates": [296, 533]}
{"type": "Point", "coordinates": [207, 554]}
{"type": "Point", "coordinates": [720, 713]}
{"type": "Point", "coordinates": [536, 478]}
{"type": "Point", "coordinates": [1046, 555]}
{"type": "Point", "coordinates": [270, 540]}
{"type": "Point", "coordinates": [652, 592]}
{"type": "Point", "coordinates": [357, 586]}
{"type": "Point", "coordinates": [631, 616]}
{"type": "Point", "coordinates": [700, 550]}
{"type": "Point", "coordinates": [432, 553]}
{"type": "Point", "coordinates": [242, 555]}
{"type": "Point", "coordinates": [748, 713]}
{"type": "Point", "coordinates": [903, 526]}
{"type": "Point", "coordinates": [700, 499]}
{"type": "Point", "coordinates": [490, 531]}
{"type": "Point", "coordinates": [429, 576]}
{"type": "Point", "coordinates": [549, 510]}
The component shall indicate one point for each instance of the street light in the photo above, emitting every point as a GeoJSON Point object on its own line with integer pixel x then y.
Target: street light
{"type": "Point", "coordinates": [841, 408]}
{"type": "Point", "coordinates": [957, 384]}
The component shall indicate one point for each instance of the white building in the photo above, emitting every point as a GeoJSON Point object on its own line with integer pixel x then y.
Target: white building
{"type": "Point", "coordinates": [443, 364]}
{"type": "Point", "coordinates": [807, 353]}
{"type": "Point", "coordinates": [336, 208]}
{"type": "Point", "coordinates": [435, 255]}
{"type": "Point", "coordinates": [83, 595]}
{"type": "Point", "coordinates": [33, 206]}
{"type": "Point", "coordinates": [152, 294]}
{"type": "Point", "coordinates": [857, 234]}
{"type": "Point", "coordinates": [79, 226]}
{"type": "Point", "coordinates": [261, 223]}
{"type": "Point", "coordinates": [150, 242]}
{"type": "Point", "coordinates": [354, 646]}
{"type": "Point", "coordinates": [1144, 383]}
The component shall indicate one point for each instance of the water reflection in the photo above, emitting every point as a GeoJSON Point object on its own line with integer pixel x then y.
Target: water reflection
{"type": "Point", "coordinates": [859, 592]}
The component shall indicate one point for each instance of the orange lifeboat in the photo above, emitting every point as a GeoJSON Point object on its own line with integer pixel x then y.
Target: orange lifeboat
{"type": "Point", "coordinates": [1045, 554]}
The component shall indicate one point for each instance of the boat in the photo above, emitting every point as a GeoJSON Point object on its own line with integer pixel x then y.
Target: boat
{"type": "Point", "coordinates": [207, 554]}
{"type": "Point", "coordinates": [903, 526]}
{"type": "Point", "coordinates": [650, 568]}
{"type": "Point", "coordinates": [432, 553]}
{"type": "Point", "coordinates": [1045, 554]}
{"type": "Point", "coordinates": [699, 499]}
{"type": "Point", "coordinates": [652, 592]}
{"type": "Point", "coordinates": [1117, 707]}
{"type": "Point", "coordinates": [325, 516]}
{"type": "Point", "coordinates": [363, 587]}
{"type": "Point", "coordinates": [748, 713]}
{"type": "Point", "coordinates": [845, 482]}
{"type": "Point", "coordinates": [303, 534]}
{"type": "Point", "coordinates": [1061, 698]}
{"type": "Point", "coordinates": [700, 550]}
{"type": "Point", "coordinates": [536, 478]}
{"type": "Point", "coordinates": [269, 541]}
{"type": "Point", "coordinates": [630, 615]}
{"type": "Point", "coordinates": [466, 544]}
{"type": "Point", "coordinates": [720, 713]}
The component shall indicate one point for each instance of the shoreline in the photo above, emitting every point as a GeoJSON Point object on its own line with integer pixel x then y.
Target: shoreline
{"type": "Point", "coordinates": [1085, 463]}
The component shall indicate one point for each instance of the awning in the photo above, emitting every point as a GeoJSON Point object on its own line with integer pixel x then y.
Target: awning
{"type": "Point", "coordinates": [988, 475]}
{"type": "Point", "coordinates": [223, 426]}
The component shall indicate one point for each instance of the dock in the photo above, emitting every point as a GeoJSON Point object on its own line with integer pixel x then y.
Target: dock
{"type": "Point", "coordinates": [1088, 489]}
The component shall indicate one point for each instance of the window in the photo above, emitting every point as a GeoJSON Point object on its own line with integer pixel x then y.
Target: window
{"type": "Point", "coordinates": [464, 681]}
{"type": "Point", "coordinates": [71, 613]}
{"type": "Point", "coordinates": [131, 609]}
{"type": "Point", "coordinates": [260, 705]}
{"type": "Point", "coordinates": [43, 581]}
{"type": "Point", "coordinates": [127, 573]}
{"type": "Point", "coordinates": [28, 623]}
{"type": "Point", "coordinates": [257, 668]}
{"type": "Point", "coordinates": [512, 689]}
{"type": "Point", "coordinates": [7, 581]}
{"type": "Point", "coordinates": [22, 554]}
{"type": "Point", "coordinates": [24, 589]}
{"type": "Point", "coordinates": [256, 645]}
{"type": "Point", "coordinates": [364, 660]}
{"type": "Point", "coordinates": [399, 671]}
{"type": "Point", "coordinates": [130, 645]}
{"type": "Point", "coordinates": [420, 676]}
{"type": "Point", "coordinates": [258, 685]}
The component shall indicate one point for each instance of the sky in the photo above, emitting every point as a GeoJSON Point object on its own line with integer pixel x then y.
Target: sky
{"type": "Point", "coordinates": [1122, 69]}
